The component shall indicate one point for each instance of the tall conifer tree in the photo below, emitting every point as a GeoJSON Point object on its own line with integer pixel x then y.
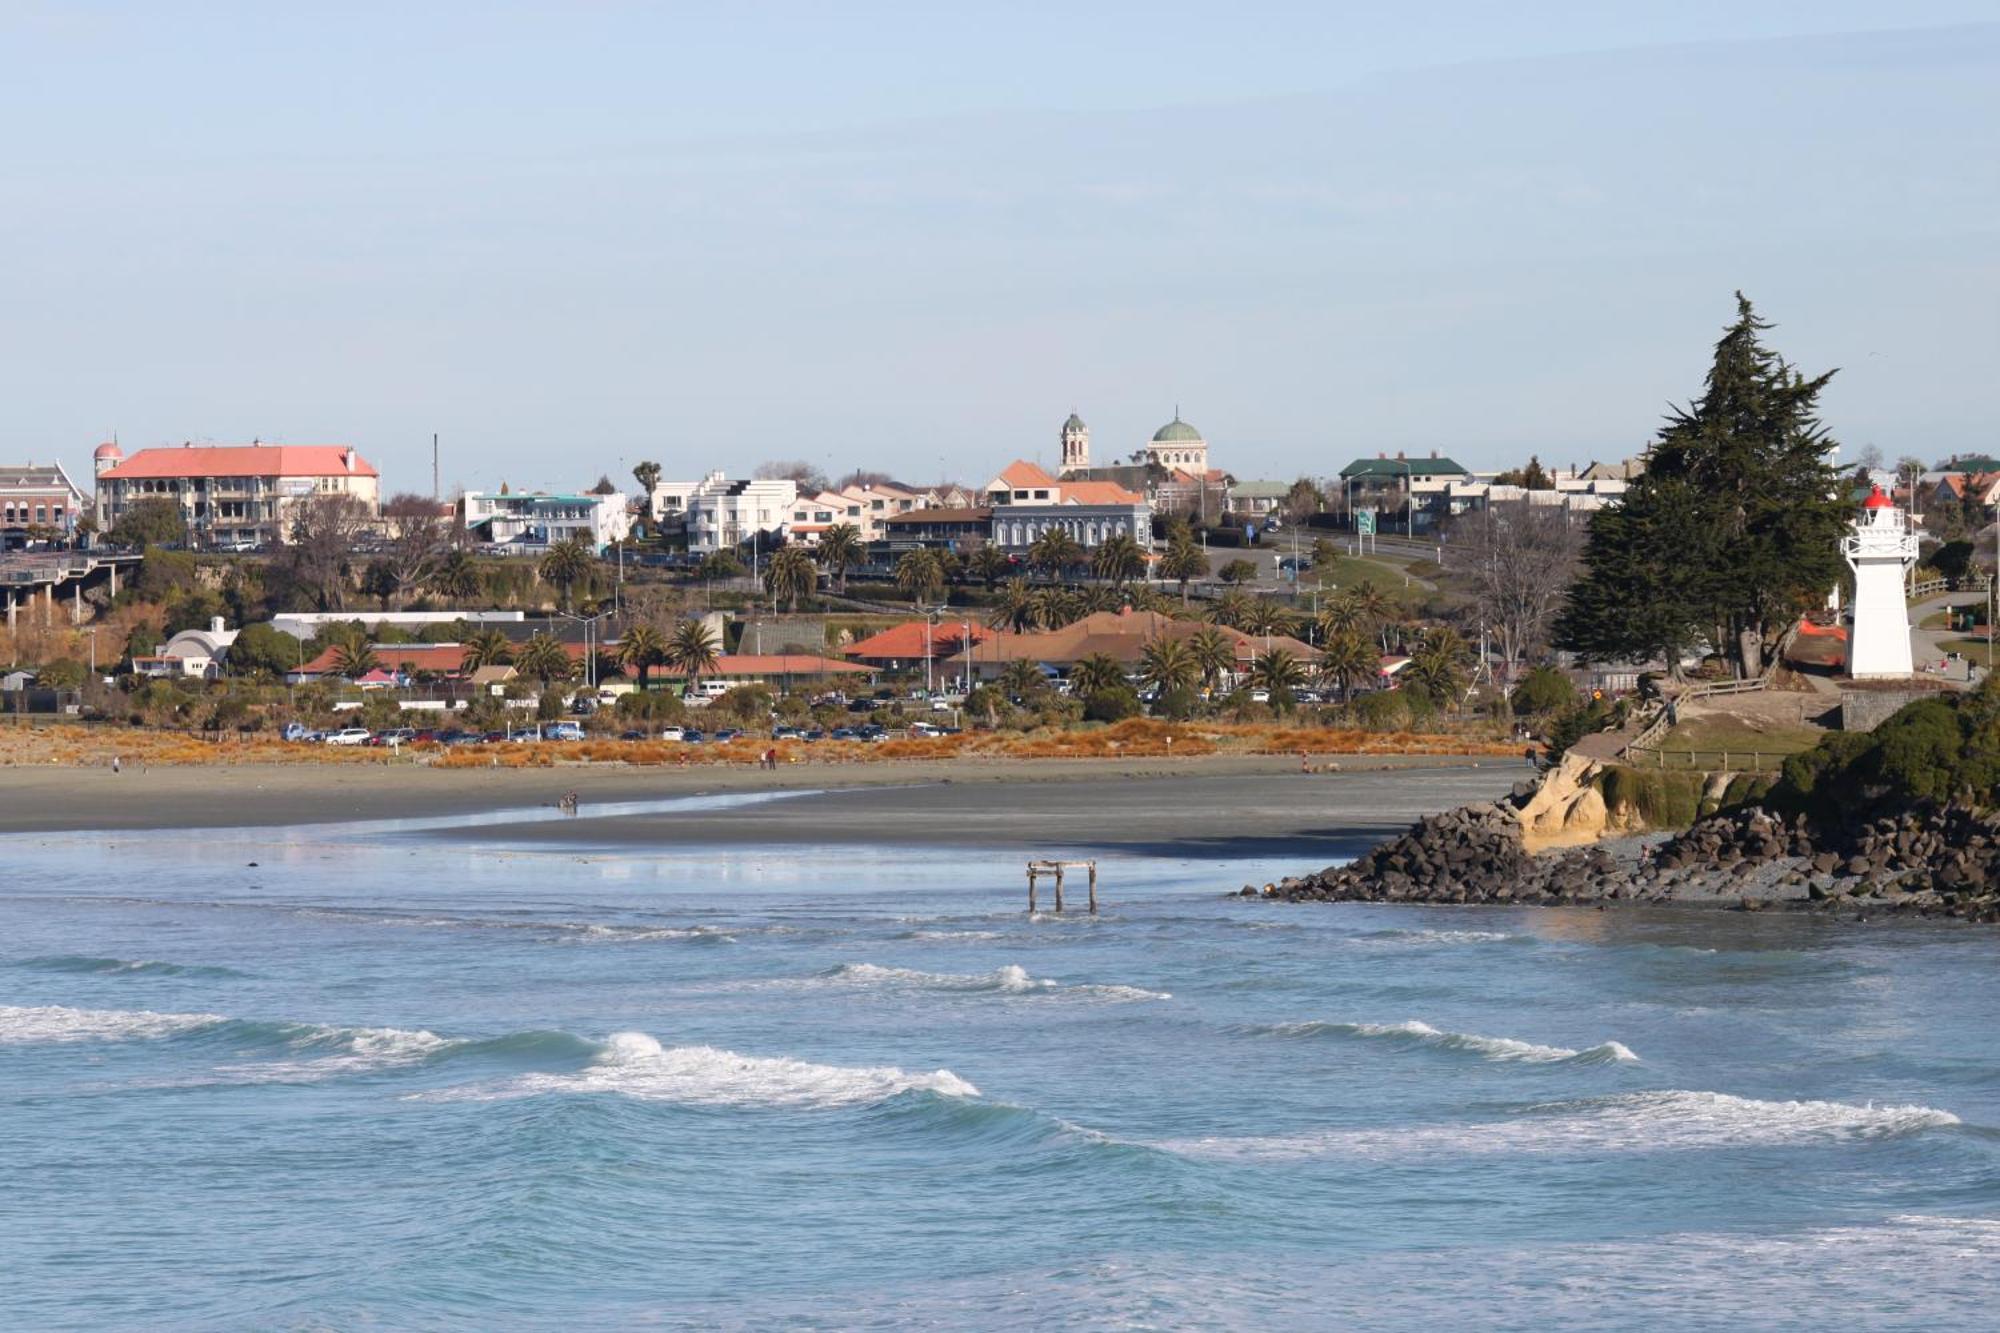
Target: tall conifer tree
{"type": "Point", "coordinates": [1733, 530]}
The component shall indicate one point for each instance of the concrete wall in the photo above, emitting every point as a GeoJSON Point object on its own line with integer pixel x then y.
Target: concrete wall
{"type": "Point", "coordinates": [1865, 710]}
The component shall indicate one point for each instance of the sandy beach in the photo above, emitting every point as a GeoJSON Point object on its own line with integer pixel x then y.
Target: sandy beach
{"type": "Point", "coordinates": [1239, 803]}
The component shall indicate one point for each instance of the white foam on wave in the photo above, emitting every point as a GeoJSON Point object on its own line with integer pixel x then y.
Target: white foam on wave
{"type": "Point", "coordinates": [633, 1064]}
{"type": "Point", "coordinates": [1663, 1121]}
{"type": "Point", "coordinates": [52, 1023]}
{"type": "Point", "coordinates": [1404, 937]}
{"type": "Point", "coordinates": [1473, 1043]}
{"type": "Point", "coordinates": [1010, 979]}
{"type": "Point", "coordinates": [331, 1052]}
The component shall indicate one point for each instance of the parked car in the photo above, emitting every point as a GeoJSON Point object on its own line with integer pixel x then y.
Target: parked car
{"type": "Point", "coordinates": [926, 729]}
{"type": "Point", "coordinates": [726, 734]}
{"type": "Point", "coordinates": [841, 734]}
{"type": "Point", "coordinates": [394, 736]}
{"type": "Point", "coordinates": [348, 736]}
{"type": "Point", "coordinates": [633, 735]}
{"type": "Point", "coordinates": [863, 706]}
{"type": "Point", "coordinates": [562, 731]}
{"type": "Point", "coordinates": [672, 734]}
{"type": "Point", "coordinates": [296, 731]}
{"type": "Point", "coordinates": [814, 735]}
{"type": "Point", "coordinates": [943, 706]}
{"type": "Point", "coordinates": [693, 737]}
{"type": "Point", "coordinates": [786, 733]}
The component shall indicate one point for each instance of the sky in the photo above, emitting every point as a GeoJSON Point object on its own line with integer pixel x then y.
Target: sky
{"type": "Point", "coordinates": [912, 238]}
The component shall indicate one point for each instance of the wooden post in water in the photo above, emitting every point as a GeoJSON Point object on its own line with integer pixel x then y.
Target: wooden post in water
{"type": "Point", "coordinates": [1059, 870]}
{"type": "Point", "coordinates": [1093, 888]}
{"type": "Point", "coordinates": [1031, 888]}
{"type": "Point", "coordinates": [1036, 869]}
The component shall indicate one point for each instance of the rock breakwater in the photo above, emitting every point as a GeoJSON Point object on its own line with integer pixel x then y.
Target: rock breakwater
{"type": "Point", "coordinates": [1930, 859]}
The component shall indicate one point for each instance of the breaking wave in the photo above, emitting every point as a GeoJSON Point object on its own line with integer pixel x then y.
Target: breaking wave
{"type": "Point", "coordinates": [83, 963]}
{"type": "Point", "coordinates": [635, 1065]}
{"type": "Point", "coordinates": [1662, 1121]}
{"type": "Point", "coordinates": [1011, 979]}
{"type": "Point", "coordinates": [1414, 1034]}
{"type": "Point", "coordinates": [54, 1023]}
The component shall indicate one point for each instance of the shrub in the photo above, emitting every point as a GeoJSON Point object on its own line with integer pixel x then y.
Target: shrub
{"type": "Point", "coordinates": [1543, 690]}
{"type": "Point", "coordinates": [1661, 800]}
{"type": "Point", "coordinates": [1111, 705]}
{"type": "Point", "coordinates": [1379, 710]}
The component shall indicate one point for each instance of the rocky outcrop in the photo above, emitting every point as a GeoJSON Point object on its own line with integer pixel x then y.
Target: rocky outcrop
{"type": "Point", "coordinates": [1931, 859]}
{"type": "Point", "coordinates": [1568, 808]}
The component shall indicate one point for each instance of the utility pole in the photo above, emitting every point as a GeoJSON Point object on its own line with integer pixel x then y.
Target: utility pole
{"type": "Point", "coordinates": [436, 490]}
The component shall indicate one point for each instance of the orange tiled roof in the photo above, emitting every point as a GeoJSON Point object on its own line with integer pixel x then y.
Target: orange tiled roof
{"type": "Point", "coordinates": [1022, 474]}
{"type": "Point", "coordinates": [905, 642]}
{"type": "Point", "coordinates": [244, 460]}
{"type": "Point", "coordinates": [1099, 493]}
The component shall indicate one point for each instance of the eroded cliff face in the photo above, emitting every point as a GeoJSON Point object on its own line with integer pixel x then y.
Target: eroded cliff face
{"type": "Point", "coordinates": [1568, 809]}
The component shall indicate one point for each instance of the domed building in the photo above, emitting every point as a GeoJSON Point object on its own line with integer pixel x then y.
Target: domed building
{"type": "Point", "coordinates": [1075, 445]}
{"type": "Point", "coordinates": [1178, 446]}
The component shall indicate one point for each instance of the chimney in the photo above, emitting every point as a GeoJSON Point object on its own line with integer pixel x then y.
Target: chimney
{"type": "Point", "coordinates": [1399, 456]}
{"type": "Point", "coordinates": [1379, 454]}
{"type": "Point", "coordinates": [215, 624]}
{"type": "Point", "coordinates": [348, 459]}
{"type": "Point", "coordinates": [1434, 453]}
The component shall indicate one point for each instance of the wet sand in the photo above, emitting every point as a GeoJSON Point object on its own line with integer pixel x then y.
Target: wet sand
{"type": "Point", "coordinates": [1229, 804]}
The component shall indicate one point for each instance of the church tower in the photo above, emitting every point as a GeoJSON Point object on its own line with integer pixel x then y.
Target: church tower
{"type": "Point", "coordinates": [1075, 445]}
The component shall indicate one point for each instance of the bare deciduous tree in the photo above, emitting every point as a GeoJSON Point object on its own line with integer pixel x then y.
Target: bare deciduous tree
{"type": "Point", "coordinates": [1521, 560]}
{"type": "Point", "coordinates": [418, 537]}
{"type": "Point", "coordinates": [324, 529]}
{"type": "Point", "coordinates": [809, 479]}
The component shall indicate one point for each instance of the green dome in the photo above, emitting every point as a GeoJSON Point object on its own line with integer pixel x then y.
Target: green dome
{"type": "Point", "coordinates": [1177, 432]}
{"type": "Point", "coordinates": [1075, 422]}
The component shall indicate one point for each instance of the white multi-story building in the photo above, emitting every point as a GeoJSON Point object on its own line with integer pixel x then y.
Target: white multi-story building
{"type": "Point", "coordinates": [529, 522]}
{"type": "Point", "coordinates": [234, 493]}
{"type": "Point", "coordinates": [721, 514]}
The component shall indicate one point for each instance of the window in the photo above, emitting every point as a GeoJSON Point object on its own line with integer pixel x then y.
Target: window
{"type": "Point", "coordinates": [1041, 495]}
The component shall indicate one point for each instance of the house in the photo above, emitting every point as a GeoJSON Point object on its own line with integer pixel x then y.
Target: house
{"type": "Point", "coordinates": [39, 497]}
{"type": "Point", "coordinates": [444, 661]}
{"type": "Point", "coordinates": [945, 529]}
{"type": "Point", "coordinates": [1090, 515]}
{"type": "Point", "coordinates": [530, 522]}
{"type": "Point", "coordinates": [1631, 469]}
{"type": "Point", "coordinates": [231, 495]}
{"type": "Point", "coordinates": [1022, 482]}
{"type": "Point", "coordinates": [911, 643]}
{"type": "Point", "coordinates": [194, 652]}
{"type": "Point", "coordinates": [1119, 635]}
{"type": "Point", "coordinates": [1384, 480]}
{"type": "Point", "coordinates": [781, 671]}
{"type": "Point", "coordinates": [716, 513]}
{"type": "Point", "coordinates": [1258, 499]}
{"type": "Point", "coordinates": [1201, 495]}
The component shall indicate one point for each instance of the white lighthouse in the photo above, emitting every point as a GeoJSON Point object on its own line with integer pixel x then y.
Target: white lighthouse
{"type": "Point", "coordinates": [1881, 550]}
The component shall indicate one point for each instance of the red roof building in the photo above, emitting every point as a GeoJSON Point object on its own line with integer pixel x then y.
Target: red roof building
{"type": "Point", "coordinates": [911, 642]}
{"type": "Point", "coordinates": [233, 494]}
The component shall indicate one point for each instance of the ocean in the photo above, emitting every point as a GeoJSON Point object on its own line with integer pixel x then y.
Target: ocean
{"type": "Point", "coordinates": [367, 1075]}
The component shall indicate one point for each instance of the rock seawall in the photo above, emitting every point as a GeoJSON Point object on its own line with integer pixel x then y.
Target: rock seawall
{"type": "Point", "coordinates": [1939, 860]}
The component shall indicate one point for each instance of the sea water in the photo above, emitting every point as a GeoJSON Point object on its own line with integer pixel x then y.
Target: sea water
{"type": "Point", "coordinates": [335, 1077]}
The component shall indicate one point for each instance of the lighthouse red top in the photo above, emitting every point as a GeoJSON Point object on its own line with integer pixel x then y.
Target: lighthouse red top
{"type": "Point", "coordinates": [1877, 500]}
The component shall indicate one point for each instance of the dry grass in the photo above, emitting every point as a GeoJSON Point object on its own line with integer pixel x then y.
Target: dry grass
{"type": "Point", "coordinates": [74, 744]}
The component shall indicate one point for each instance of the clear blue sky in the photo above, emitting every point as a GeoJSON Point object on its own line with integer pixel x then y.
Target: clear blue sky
{"type": "Point", "coordinates": [573, 235]}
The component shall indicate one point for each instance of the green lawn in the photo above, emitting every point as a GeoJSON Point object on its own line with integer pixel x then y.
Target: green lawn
{"type": "Point", "coordinates": [1711, 735]}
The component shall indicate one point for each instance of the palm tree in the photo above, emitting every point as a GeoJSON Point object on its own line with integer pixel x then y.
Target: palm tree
{"type": "Point", "coordinates": [1016, 606]}
{"type": "Point", "coordinates": [457, 579]}
{"type": "Point", "coordinates": [1437, 666]}
{"type": "Point", "coordinates": [1214, 652]}
{"type": "Point", "coordinates": [647, 474]}
{"type": "Point", "coordinates": [1055, 551]}
{"type": "Point", "coordinates": [354, 659]}
{"type": "Point", "coordinates": [1230, 608]}
{"type": "Point", "coordinates": [1349, 660]}
{"type": "Point", "coordinates": [1095, 674]}
{"type": "Point", "coordinates": [1118, 558]}
{"type": "Point", "coordinates": [1375, 608]}
{"type": "Point", "coordinates": [1095, 597]}
{"type": "Point", "coordinates": [1324, 553]}
{"type": "Point", "coordinates": [1264, 618]}
{"type": "Point", "coordinates": [989, 564]}
{"type": "Point", "coordinates": [566, 564]}
{"type": "Point", "coordinates": [791, 574]}
{"type": "Point", "coordinates": [642, 648]}
{"type": "Point", "coordinates": [484, 648]}
{"type": "Point", "coordinates": [1184, 559]}
{"type": "Point", "coordinates": [1278, 672]}
{"type": "Point", "coordinates": [921, 573]}
{"type": "Point", "coordinates": [1021, 678]}
{"type": "Point", "coordinates": [1342, 614]}
{"type": "Point", "coordinates": [692, 650]}
{"type": "Point", "coordinates": [1168, 665]}
{"type": "Point", "coordinates": [1056, 607]}
{"type": "Point", "coordinates": [841, 549]}
{"type": "Point", "coordinates": [543, 658]}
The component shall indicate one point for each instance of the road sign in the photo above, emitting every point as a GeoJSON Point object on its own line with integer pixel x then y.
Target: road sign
{"type": "Point", "coordinates": [1364, 523]}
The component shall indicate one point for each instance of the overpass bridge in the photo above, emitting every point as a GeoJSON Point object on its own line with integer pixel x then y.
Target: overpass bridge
{"type": "Point", "coordinates": [28, 577]}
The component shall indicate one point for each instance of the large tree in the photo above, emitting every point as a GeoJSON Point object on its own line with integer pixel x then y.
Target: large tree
{"type": "Point", "coordinates": [1520, 560]}
{"type": "Point", "coordinates": [419, 536]}
{"type": "Point", "coordinates": [153, 520]}
{"type": "Point", "coordinates": [325, 527]}
{"type": "Point", "coordinates": [1733, 530]}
